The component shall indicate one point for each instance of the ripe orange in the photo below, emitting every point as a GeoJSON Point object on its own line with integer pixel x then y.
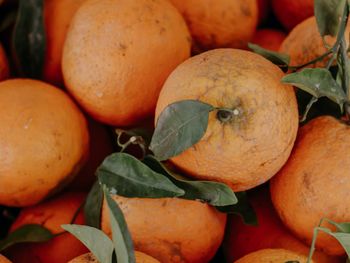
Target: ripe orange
{"type": "Point", "coordinates": [57, 14]}
{"type": "Point", "coordinates": [118, 54]}
{"type": "Point", "coordinates": [250, 146]}
{"type": "Point", "coordinates": [51, 214]}
{"type": "Point", "coordinates": [4, 260]}
{"type": "Point", "coordinates": [90, 258]}
{"type": "Point", "coordinates": [4, 67]}
{"type": "Point", "coordinates": [219, 23]}
{"type": "Point", "coordinates": [291, 13]}
{"type": "Point", "coordinates": [314, 184]}
{"type": "Point", "coordinates": [269, 38]}
{"type": "Point", "coordinates": [241, 239]}
{"type": "Point", "coordinates": [273, 256]}
{"type": "Point", "coordinates": [171, 229]}
{"type": "Point", "coordinates": [43, 141]}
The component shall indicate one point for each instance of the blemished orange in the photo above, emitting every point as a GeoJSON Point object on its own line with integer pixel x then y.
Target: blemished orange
{"type": "Point", "coordinates": [291, 13]}
{"type": "Point", "coordinates": [252, 144]}
{"type": "Point", "coordinates": [90, 258]}
{"type": "Point", "coordinates": [219, 23]}
{"type": "Point", "coordinates": [51, 214]}
{"type": "Point", "coordinates": [273, 256]}
{"type": "Point", "coordinates": [118, 53]}
{"type": "Point", "coordinates": [44, 141]}
{"type": "Point", "coordinates": [241, 239]}
{"type": "Point", "coordinates": [4, 260]}
{"type": "Point", "coordinates": [269, 38]}
{"type": "Point", "coordinates": [4, 66]}
{"type": "Point", "coordinates": [314, 184]}
{"type": "Point", "coordinates": [171, 229]}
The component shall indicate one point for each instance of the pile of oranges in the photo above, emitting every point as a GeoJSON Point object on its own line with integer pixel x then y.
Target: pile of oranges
{"type": "Point", "coordinates": [118, 64]}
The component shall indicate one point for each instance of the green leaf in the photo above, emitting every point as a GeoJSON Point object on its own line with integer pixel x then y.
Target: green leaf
{"type": "Point", "coordinates": [7, 19]}
{"type": "Point", "coordinates": [276, 58]}
{"type": "Point", "coordinates": [243, 209]}
{"type": "Point", "coordinates": [93, 206]}
{"type": "Point", "coordinates": [328, 15]}
{"type": "Point", "coordinates": [123, 244]}
{"type": "Point", "coordinates": [29, 38]}
{"type": "Point", "coordinates": [94, 239]}
{"type": "Point", "coordinates": [179, 126]}
{"type": "Point", "coordinates": [216, 194]}
{"type": "Point", "coordinates": [318, 82]}
{"type": "Point", "coordinates": [26, 233]}
{"type": "Point", "coordinates": [125, 175]}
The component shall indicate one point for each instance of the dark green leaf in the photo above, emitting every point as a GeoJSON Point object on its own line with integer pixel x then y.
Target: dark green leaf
{"type": "Point", "coordinates": [94, 239]}
{"type": "Point", "coordinates": [179, 126]}
{"type": "Point", "coordinates": [93, 205]}
{"type": "Point", "coordinates": [216, 194]}
{"type": "Point", "coordinates": [29, 38]}
{"type": "Point", "coordinates": [243, 209]}
{"type": "Point", "coordinates": [318, 82]}
{"type": "Point", "coordinates": [328, 15]}
{"type": "Point", "coordinates": [276, 58]}
{"type": "Point", "coordinates": [26, 233]}
{"type": "Point", "coordinates": [125, 175]}
{"type": "Point", "coordinates": [123, 245]}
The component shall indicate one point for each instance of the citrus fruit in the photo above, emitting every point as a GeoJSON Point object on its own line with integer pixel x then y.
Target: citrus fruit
{"type": "Point", "coordinates": [291, 13]}
{"type": "Point", "coordinates": [4, 260]}
{"type": "Point", "coordinates": [219, 23]}
{"type": "Point", "coordinates": [90, 258]}
{"type": "Point", "coordinates": [247, 147]}
{"type": "Point", "coordinates": [51, 214]}
{"type": "Point", "coordinates": [273, 256]}
{"type": "Point", "coordinates": [314, 184]}
{"type": "Point", "coordinates": [269, 38]}
{"type": "Point", "coordinates": [4, 67]}
{"type": "Point", "coordinates": [171, 229]}
{"type": "Point", "coordinates": [44, 141]}
{"type": "Point", "coordinates": [57, 17]}
{"type": "Point", "coordinates": [118, 53]}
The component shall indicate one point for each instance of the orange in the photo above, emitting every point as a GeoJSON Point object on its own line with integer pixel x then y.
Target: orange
{"type": "Point", "coordinates": [57, 15]}
{"type": "Point", "coordinates": [273, 256]}
{"type": "Point", "coordinates": [44, 141]}
{"type": "Point", "coordinates": [51, 214]}
{"type": "Point", "coordinates": [171, 229]}
{"type": "Point", "coordinates": [291, 13]}
{"type": "Point", "coordinates": [241, 239]}
{"type": "Point", "coordinates": [4, 260]}
{"type": "Point", "coordinates": [314, 183]}
{"type": "Point", "coordinates": [4, 67]}
{"type": "Point", "coordinates": [219, 23]}
{"type": "Point", "coordinates": [251, 145]}
{"type": "Point", "coordinates": [90, 258]}
{"type": "Point", "coordinates": [118, 54]}
{"type": "Point", "coordinates": [269, 38]}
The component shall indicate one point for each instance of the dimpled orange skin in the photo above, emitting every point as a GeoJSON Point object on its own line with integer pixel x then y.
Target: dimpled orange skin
{"type": "Point", "coordinates": [4, 260]}
{"type": "Point", "coordinates": [314, 183]}
{"type": "Point", "coordinates": [4, 67]}
{"type": "Point", "coordinates": [57, 15]}
{"type": "Point", "coordinates": [241, 239]}
{"type": "Point", "coordinates": [90, 258]}
{"type": "Point", "coordinates": [250, 148]}
{"type": "Point", "coordinates": [51, 214]}
{"type": "Point", "coordinates": [269, 38]}
{"type": "Point", "coordinates": [171, 229]}
{"type": "Point", "coordinates": [290, 13]}
{"type": "Point", "coordinates": [118, 54]}
{"type": "Point", "coordinates": [44, 141]}
{"type": "Point", "coordinates": [219, 23]}
{"type": "Point", "coordinates": [273, 256]}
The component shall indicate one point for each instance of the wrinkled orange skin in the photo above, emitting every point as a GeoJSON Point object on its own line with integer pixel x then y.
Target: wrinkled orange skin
{"type": "Point", "coordinates": [219, 23]}
{"type": "Point", "coordinates": [171, 229]}
{"type": "Point", "coordinates": [4, 260]}
{"type": "Point", "coordinates": [270, 39]}
{"type": "Point", "coordinates": [118, 54]}
{"type": "Point", "coordinates": [314, 184]}
{"type": "Point", "coordinates": [4, 67]}
{"type": "Point", "coordinates": [250, 148]}
{"type": "Point", "coordinates": [44, 141]}
{"type": "Point", "coordinates": [290, 13]}
{"type": "Point", "coordinates": [90, 258]}
{"type": "Point", "coordinates": [241, 239]}
{"type": "Point", "coordinates": [273, 256]}
{"type": "Point", "coordinates": [51, 214]}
